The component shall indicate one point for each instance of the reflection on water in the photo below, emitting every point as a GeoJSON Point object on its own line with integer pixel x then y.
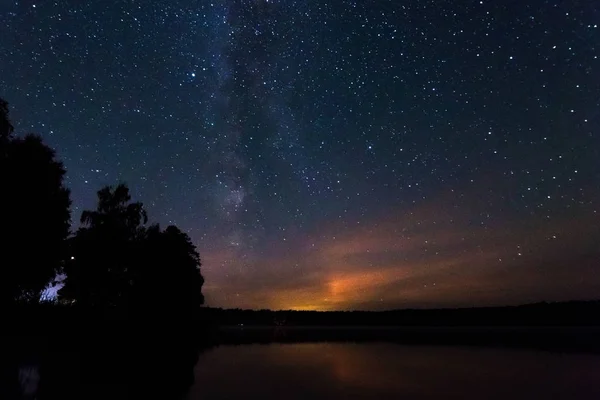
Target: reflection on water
{"type": "Point", "coordinates": [29, 379]}
{"type": "Point", "coordinates": [115, 368]}
{"type": "Point", "coordinates": [360, 371]}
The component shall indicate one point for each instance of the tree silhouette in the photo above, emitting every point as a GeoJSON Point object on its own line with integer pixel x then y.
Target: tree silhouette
{"type": "Point", "coordinates": [169, 283]}
{"type": "Point", "coordinates": [34, 214]}
{"type": "Point", "coordinates": [102, 253]}
{"type": "Point", "coordinates": [116, 214]}
{"type": "Point", "coordinates": [116, 261]}
{"type": "Point", "coordinates": [6, 128]}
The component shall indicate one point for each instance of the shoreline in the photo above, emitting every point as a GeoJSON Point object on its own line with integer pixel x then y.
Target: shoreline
{"type": "Point", "coordinates": [552, 338]}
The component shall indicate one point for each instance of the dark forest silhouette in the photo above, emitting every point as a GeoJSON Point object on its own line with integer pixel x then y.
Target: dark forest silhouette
{"type": "Point", "coordinates": [116, 262]}
{"type": "Point", "coordinates": [573, 313]}
{"type": "Point", "coordinates": [35, 214]}
{"type": "Point", "coordinates": [126, 284]}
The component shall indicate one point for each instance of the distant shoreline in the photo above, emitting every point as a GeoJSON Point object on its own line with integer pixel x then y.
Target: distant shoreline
{"type": "Point", "coordinates": [573, 313]}
{"type": "Point", "coordinates": [570, 326]}
{"type": "Point", "coordinates": [582, 339]}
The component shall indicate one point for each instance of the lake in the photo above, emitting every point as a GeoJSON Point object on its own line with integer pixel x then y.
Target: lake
{"type": "Point", "coordinates": [382, 370]}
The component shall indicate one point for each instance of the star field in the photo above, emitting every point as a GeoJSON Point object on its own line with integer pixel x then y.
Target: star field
{"type": "Point", "coordinates": [332, 155]}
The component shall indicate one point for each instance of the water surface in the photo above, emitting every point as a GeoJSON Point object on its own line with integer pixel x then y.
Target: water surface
{"type": "Point", "coordinates": [377, 370]}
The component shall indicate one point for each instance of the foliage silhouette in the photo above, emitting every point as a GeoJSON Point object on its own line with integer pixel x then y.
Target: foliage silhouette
{"type": "Point", "coordinates": [116, 262]}
{"type": "Point", "coordinates": [35, 214]}
{"type": "Point", "coordinates": [113, 263]}
{"type": "Point", "coordinates": [102, 253]}
{"type": "Point", "coordinates": [169, 282]}
{"type": "Point", "coordinates": [6, 128]}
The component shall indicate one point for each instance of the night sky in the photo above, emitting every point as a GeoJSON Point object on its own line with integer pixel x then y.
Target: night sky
{"type": "Point", "coordinates": [332, 154]}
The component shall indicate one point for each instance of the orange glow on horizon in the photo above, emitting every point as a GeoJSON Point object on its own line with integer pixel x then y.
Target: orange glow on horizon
{"type": "Point", "coordinates": [429, 257]}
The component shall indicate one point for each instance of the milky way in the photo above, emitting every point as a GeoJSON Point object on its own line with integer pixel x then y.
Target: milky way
{"type": "Point", "coordinates": [332, 155]}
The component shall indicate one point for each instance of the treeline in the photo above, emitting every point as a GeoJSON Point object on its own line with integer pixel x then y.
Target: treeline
{"type": "Point", "coordinates": [125, 322]}
{"type": "Point", "coordinates": [575, 313]}
{"type": "Point", "coordinates": [115, 264]}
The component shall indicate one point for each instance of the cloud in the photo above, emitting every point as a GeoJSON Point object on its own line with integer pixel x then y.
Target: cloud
{"type": "Point", "coordinates": [435, 254]}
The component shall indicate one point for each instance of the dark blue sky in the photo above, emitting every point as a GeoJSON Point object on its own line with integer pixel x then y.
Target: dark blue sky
{"type": "Point", "coordinates": [337, 154]}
